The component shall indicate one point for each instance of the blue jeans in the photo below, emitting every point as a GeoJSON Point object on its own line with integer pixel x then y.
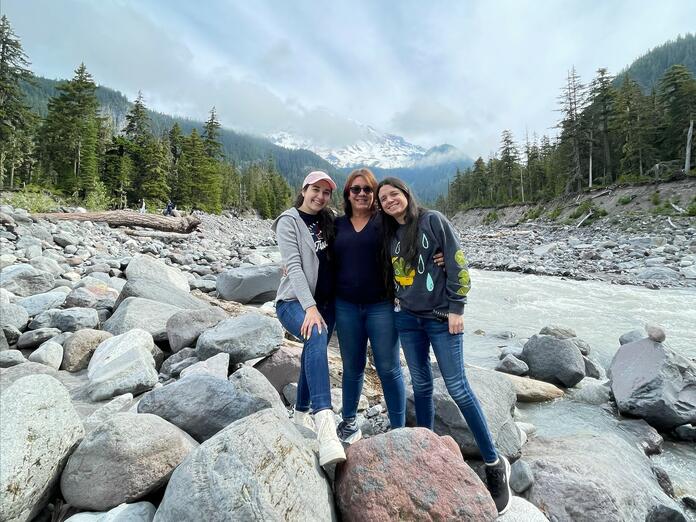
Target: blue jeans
{"type": "Point", "coordinates": [313, 387]}
{"type": "Point", "coordinates": [417, 334]}
{"type": "Point", "coordinates": [355, 324]}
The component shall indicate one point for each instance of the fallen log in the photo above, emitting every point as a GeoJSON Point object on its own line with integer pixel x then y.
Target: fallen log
{"type": "Point", "coordinates": [125, 218]}
{"type": "Point", "coordinates": [157, 234]}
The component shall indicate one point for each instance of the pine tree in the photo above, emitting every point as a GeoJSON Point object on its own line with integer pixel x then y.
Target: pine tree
{"type": "Point", "coordinates": [211, 136]}
{"type": "Point", "coordinates": [602, 97]}
{"type": "Point", "coordinates": [138, 122]}
{"type": "Point", "coordinates": [677, 95]}
{"type": "Point", "coordinates": [509, 157]}
{"type": "Point", "coordinates": [572, 103]}
{"type": "Point", "coordinates": [16, 122]}
{"type": "Point", "coordinates": [154, 186]}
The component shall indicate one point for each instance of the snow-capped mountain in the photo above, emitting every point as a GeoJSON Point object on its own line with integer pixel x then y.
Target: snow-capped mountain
{"type": "Point", "coordinates": [385, 151]}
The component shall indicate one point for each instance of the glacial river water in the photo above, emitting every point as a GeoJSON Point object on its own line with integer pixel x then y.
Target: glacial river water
{"type": "Point", "coordinates": [599, 313]}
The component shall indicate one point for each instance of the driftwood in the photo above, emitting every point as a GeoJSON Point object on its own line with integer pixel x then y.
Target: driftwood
{"type": "Point", "coordinates": [603, 193]}
{"type": "Point", "coordinates": [669, 220]}
{"type": "Point", "coordinates": [584, 219]}
{"type": "Point", "coordinates": [125, 218]}
{"type": "Point", "coordinates": [156, 234]}
{"type": "Point", "coordinates": [678, 209]}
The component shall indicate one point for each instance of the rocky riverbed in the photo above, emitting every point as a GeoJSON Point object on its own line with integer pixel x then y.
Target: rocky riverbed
{"type": "Point", "coordinates": [137, 384]}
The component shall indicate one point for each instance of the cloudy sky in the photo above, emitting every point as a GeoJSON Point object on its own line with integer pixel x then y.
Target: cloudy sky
{"type": "Point", "coordinates": [439, 71]}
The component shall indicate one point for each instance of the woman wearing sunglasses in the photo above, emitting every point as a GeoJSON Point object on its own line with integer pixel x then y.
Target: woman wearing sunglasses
{"type": "Point", "coordinates": [430, 308]}
{"type": "Point", "coordinates": [304, 304]}
{"type": "Point", "coordinates": [364, 310]}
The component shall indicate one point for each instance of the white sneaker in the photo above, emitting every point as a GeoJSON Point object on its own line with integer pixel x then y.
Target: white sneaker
{"type": "Point", "coordinates": [330, 447]}
{"type": "Point", "coordinates": [304, 419]}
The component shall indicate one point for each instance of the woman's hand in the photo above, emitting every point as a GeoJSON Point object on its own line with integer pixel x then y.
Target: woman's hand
{"type": "Point", "coordinates": [456, 323]}
{"type": "Point", "coordinates": [439, 260]}
{"type": "Point", "coordinates": [312, 318]}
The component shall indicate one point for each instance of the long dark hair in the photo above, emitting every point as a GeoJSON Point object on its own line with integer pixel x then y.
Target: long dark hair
{"type": "Point", "coordinates": [371, 181]}
{"type": "Point", "coordinates": [409, 240]}
{"type": "Point", "coordinates": [326, 219]}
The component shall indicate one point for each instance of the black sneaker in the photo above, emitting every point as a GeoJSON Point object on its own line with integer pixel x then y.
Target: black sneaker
{"type": "Point", "coordinates": [498, 482]}
{"type": "Point", "coordinates": [348, 431]}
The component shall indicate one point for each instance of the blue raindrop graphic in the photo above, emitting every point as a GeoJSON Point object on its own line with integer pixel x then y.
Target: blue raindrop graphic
{"type": "Point", "coordinates": [424, 242]}
{"type": "Point", "coordinates": [429, 283]}
{"type": "Point", "coordinates": [421, 264]}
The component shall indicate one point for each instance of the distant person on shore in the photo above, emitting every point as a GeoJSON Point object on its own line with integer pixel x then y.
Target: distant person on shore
{"type": "Point", "coordinates": [305, 304]}
{"type": "Point", "coordinates": [169, 210]}
{"type": "Point", "coordinates": [429, 308]}
{"type": "Point", "coordinates": [363, 308]}
{"type": "Point", "coordinates": [142, 207]}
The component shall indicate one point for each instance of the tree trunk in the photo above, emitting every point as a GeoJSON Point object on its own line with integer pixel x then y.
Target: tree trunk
{"type": "Point", "coordinates": [2, 167]}
{"type": "Point", "coordinates": [127, 218]}
{"type": "Point", "coordinates": [590, 167]}
{"type": "Point", "coordinates": [687, 161]}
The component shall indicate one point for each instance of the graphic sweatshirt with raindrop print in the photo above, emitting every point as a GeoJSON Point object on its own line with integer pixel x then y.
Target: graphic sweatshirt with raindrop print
{"type": "Point", "coordinates": [426, 287]}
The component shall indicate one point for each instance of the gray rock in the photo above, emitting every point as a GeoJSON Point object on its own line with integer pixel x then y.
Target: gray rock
{"type": "Point", "coordinates": [49, 353]}
{"type": "Point", "coordinates": [145, 267]}
{"type": "Point", "coordinates": [660, 273]}
{"type": "Point", "coordinates": [592, 477]}
{"type": "Point", "coordinates": [64, 239]}
{"type": "Point", "coordinates": [33, 338]}
{"type": "Point", "coordinates": [66, 320]}
{"type": "Point", "coordinates": [39, 429]}
{"type": "Point", "coordinates": [136, 312]}
{"type": "Point", "coordinates": [116, 405]}
{"type": "Point", "coordinates": [554, 360]}
{"type": "Point", "coordinates": [511, 364]}
{"type": "Point", "coordinates": [136, 512]}
{"type": "Point", "coordinates": [515, 351]}
{"type": "Point", "coordinates": [36, 304]}
{"type": "Point", "coordinates": [47, 264]}
{"type": "Point", "coordinates": [237, 475]}
{"type": "Point", "coordinates": [251, 383]}
{"type": "Point", "coordinates": [656, 333]}
{"type": "Point", "coordinates": [521, 476]}
{"type": "Point", "coordinates": [245, 337]}
{"type": "Point", "coordinates": [122, 364]}
{"type": "Point", "coordinates": [170, 366]}
{"type": "Point", "coordinates": [4, 345]}
{"type": "Point", "coordinates": [79, 347]}
{"type": "Point", "coordinates": [25, 280]}
{"type": "Point", "coordinates": [646, 437]}
{"type": "Point", "coordinates": [559, 332]}
{"type": "Point", "coordinates": [591, 391]}
{"type": "Point", "coordinates": [592, 369]}
{"type": "Point", "coordinates": [583, 346]}
{"type": "Point", "coordinates": [217, 366]}
{"type": "Point", "coordinates": [282, 367]}
{"type": "Point", "coordinates": [184, 327]}
{"type": "Point", "coordinates": [497, 397]}
{"type": "Point", "coordinates": [123, 459]}
{"type": "Point", "coordinates": [160, 292]}
{"type": "Point", "coordinates": [14, 315]}
{"type": "Point", "coordinates": [653, 382]}
{"type": "Point", "coordinates": [254, 284]}
{"type": "Point", "coordinates": [686, 432]}
{"type": "Point", "coordinates": [522, 511]}
{"type": "Point", "coordinates": [93, 296]}
{"type": "Point", "coordinates": [664, 513]}
{"type": "Point", "coordinates": [632, 336]}
{"type": "Point", "coordinates": [9, 358]}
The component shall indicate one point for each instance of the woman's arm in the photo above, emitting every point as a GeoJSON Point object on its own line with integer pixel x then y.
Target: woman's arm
{"type": "Point", "coordinates": [457, 271]}
{"type": "Point", "coordinates": [288, 243]}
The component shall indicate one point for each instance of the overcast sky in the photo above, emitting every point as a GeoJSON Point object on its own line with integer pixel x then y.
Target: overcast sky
{"type": "Point", "coordinates": [433, 71]}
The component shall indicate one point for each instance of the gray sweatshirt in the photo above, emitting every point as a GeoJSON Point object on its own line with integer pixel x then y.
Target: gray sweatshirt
{"type": "Point", "coordinates": [299, 257]}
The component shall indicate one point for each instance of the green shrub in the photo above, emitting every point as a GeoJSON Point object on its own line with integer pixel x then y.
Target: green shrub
{"type": "Point", "coordinates": [691, 210]}
{"type": "Point", "coordinates": [655, 198]}
{"type": "Point", "coordinates": [584, 208]}
{"type": "Point", "coordinates": [625, 200]}
{"type": "Point", "coordinates": [33, 200]}
{"type": "Point", "coordinates": [491, 217]}
{"type": "Point", "coordinates": [533, 213]}
{"type": "Point", "coordinates": [554, 213]}
{"type": "Point", "coordinates": [98, 199]}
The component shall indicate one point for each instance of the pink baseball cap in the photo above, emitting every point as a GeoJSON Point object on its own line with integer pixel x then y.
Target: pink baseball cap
{"type": "Point", "coordinates": [316, 176]}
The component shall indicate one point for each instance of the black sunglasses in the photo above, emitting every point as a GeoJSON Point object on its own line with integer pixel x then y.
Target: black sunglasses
{"type": "Point", "coordinates": [355, 189]}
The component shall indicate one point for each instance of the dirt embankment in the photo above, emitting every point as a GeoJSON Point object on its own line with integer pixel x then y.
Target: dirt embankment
{"type": "Point", "coordinates": [649, 198]}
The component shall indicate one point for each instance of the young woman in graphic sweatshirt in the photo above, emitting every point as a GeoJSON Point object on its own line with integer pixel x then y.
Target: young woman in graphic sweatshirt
{"type": "Point", "coordinates": [305, 304]}
{"type": "Point", "coordinates": [429, 309]}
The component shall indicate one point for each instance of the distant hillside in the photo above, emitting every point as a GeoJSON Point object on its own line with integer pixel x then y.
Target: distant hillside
{"type": "Point", "coordinates": [649, 68]}
{"type": "Point", "coordinates": [239, 148]}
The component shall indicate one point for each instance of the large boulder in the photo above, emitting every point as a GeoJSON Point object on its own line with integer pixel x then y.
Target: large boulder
{"type": "Point", "coordinates": [253, 284]}
{"type": "Point", "coordinates": [25, 280]}
{"type": "Point", "coordinates": [554, 360]}
{"type": "Point", "coordinates": [36, 304]}
{"type": "Point", "coordinates": [653, 382]}
{"type": "Point", "coordinates": [136, 312]}
{"type": "Point", "coordinates": [522, 511]}
{"type": "Point", "coordinates": [123, 459]}
{"type": "Point", "coordinates": [12, 314]}
{"type": "Point", "coordinates": [410, 474]}
{"type": "Point", "coordinates": [142, 266]}
{"type": "Point", "coordinates": [49, 353]}
{"type": "Point", "coordinates": [79, 347]}
{"type": "Point", "coordinates": [9, 358]}
{"type": "Point", "coordinates": [588, 478]}
{"type": "Point", "coordinates": [184, 327]}
{"type": "Point", "coordinates": [122, 364]}
{"type": "Point", "coordinates": [497, 398]}
{"type": "Point", "coordinates": [38, 430]}
{"type": "Point", "coordinates": [136, 512]}
{"type": "Point", "coordinates": [67, 319]}
{"type": "Point", "coordinates": [217, 366]}
{"type": "Point", "coordinates": [97, 295]}
{"type": "Point", "coordinates": [160, 292]}
{"type": "Point", "coordinates": [281, 367]}
{"type": "Point", "coordinates": [244, 337]}
{"type": "Point", "coordinates": [258, 468]}
{"type": "Point", "coordinates": [33, 338]}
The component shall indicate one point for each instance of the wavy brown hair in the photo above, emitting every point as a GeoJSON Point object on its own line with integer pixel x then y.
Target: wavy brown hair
{"type": "Point", "coordinates": [371, 181]}
{"type": "Point", "coordinates": [409, 241]}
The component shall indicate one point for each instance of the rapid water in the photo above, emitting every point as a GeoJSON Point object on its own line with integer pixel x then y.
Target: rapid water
{"type": "Point", "coordinates": [599, 313]}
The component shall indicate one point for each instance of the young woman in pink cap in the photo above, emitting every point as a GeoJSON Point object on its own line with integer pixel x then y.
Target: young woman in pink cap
{"type": "Point", "coordinates": [305, 303]}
